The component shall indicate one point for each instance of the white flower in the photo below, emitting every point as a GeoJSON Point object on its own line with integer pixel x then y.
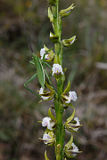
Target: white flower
{"type": "Point", "coordinates": [77, 124]}
{"type": "Point", "coordinates": [47, 122]}
{"type": "Point", "coordinates": [75, 148]}
{"type": "Point", "coordinates": [42, 52]}
{"type": "Point", "coordinates": [72, 97]}
{"type": "Point", "coordinates": [46, 138]}
{"type": "Point", "coordinates": [57, 69]}
{"type": "Point", "coordinates": [41, 91]}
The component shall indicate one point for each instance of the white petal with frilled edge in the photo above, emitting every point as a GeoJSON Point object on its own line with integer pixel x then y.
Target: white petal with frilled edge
{"type": "Point", "coordinates": [46, 138]}
{"type": "Point", "coordinates": [57, 69]}
{"type": "Point", "coordinates": [47, 122]}
{"type": "Point", "coordinates": [75, 149]}
{"type": "Point", "coordinates": [42, 52]}
{"type": "Point", "coordinates": [73, 95]}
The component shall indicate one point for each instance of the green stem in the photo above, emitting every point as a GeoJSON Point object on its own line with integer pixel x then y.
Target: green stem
{"type": "Point", "coordinates": [60, 132]}
{"type": "Point", "coordinates": [59, 126]}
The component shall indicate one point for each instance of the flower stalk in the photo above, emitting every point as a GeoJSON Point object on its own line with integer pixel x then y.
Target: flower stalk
{"type": "Point", "coordinates": [62, 98]}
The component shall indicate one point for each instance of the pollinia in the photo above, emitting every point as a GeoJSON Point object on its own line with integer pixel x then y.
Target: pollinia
{"type": "Point", "coordinates": [49, 66]}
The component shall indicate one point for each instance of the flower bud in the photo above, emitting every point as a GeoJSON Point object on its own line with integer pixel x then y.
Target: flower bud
{"type": "Point", "coordinates": [69, 42]}
{"type": "Point", "coordinates": [67, 11]}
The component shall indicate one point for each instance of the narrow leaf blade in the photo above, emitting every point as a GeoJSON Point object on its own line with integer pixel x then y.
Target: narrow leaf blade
{"type": "Point", "coordinates": [40, 71]}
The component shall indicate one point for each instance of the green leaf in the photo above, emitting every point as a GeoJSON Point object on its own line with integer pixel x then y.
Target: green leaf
{"type": "Point", "coordinates": [71, 117]}
{"type": "Point", "coordinates": [28, 82]}
{"type": "Point", "coordinates": [67, 89]}
{"type": "Point", "coordinates": [46, 64]}
{"type": "Point", "coordinates": [46, 157]}
{"type": "Point", "coordinates": [51, 115]}
{"type": "Point", "coordinates": [40, 70]}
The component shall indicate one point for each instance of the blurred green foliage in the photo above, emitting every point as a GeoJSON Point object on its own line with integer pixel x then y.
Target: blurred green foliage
{"type": "Point", "coordinates": [24, 27]}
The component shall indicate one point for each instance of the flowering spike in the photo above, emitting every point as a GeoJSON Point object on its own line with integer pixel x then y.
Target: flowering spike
{"type": "Point", "coordinates": [49, 65]}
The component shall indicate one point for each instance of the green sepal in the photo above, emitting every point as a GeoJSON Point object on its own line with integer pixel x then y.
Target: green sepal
{"type": "Point", "coordinates": [46, 48]}
{"type": "Point", "coordinates": [67, 11]}
{"type": "Point", "coordinates": [50, 54]}
{"type": "Point", "coordinates": [49, 87]}
{"type": "Point", "coordinates": [71, 117]}
{"type": "Point", "coordinates": [69, 144]}
{"type": "Point", "coordinates": [67, 89]}
{"type": "Point", "coordinates": [40, 70]}
{"type": "Point", "coordinates": [51, 115]}
{"type": "Point", "coordinates": [67, 148]}
{"type": "Point", "coordinates": [50, 14]}
{"type": "Point", "coordinates": [45, 155]}
{"type": "Point", "coordinates": [53, 37]}
{"type": "Point", "coordinates": [56, 59]}
{"type": "Point", "coordinates": [69, 42]}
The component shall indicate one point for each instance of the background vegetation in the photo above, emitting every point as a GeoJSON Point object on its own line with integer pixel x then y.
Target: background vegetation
{"type": "Point", "coordinates": [24, 25]}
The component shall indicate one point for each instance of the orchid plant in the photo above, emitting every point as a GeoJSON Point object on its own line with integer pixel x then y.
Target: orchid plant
{"type": "Point", "coordinates": [49, 66]}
